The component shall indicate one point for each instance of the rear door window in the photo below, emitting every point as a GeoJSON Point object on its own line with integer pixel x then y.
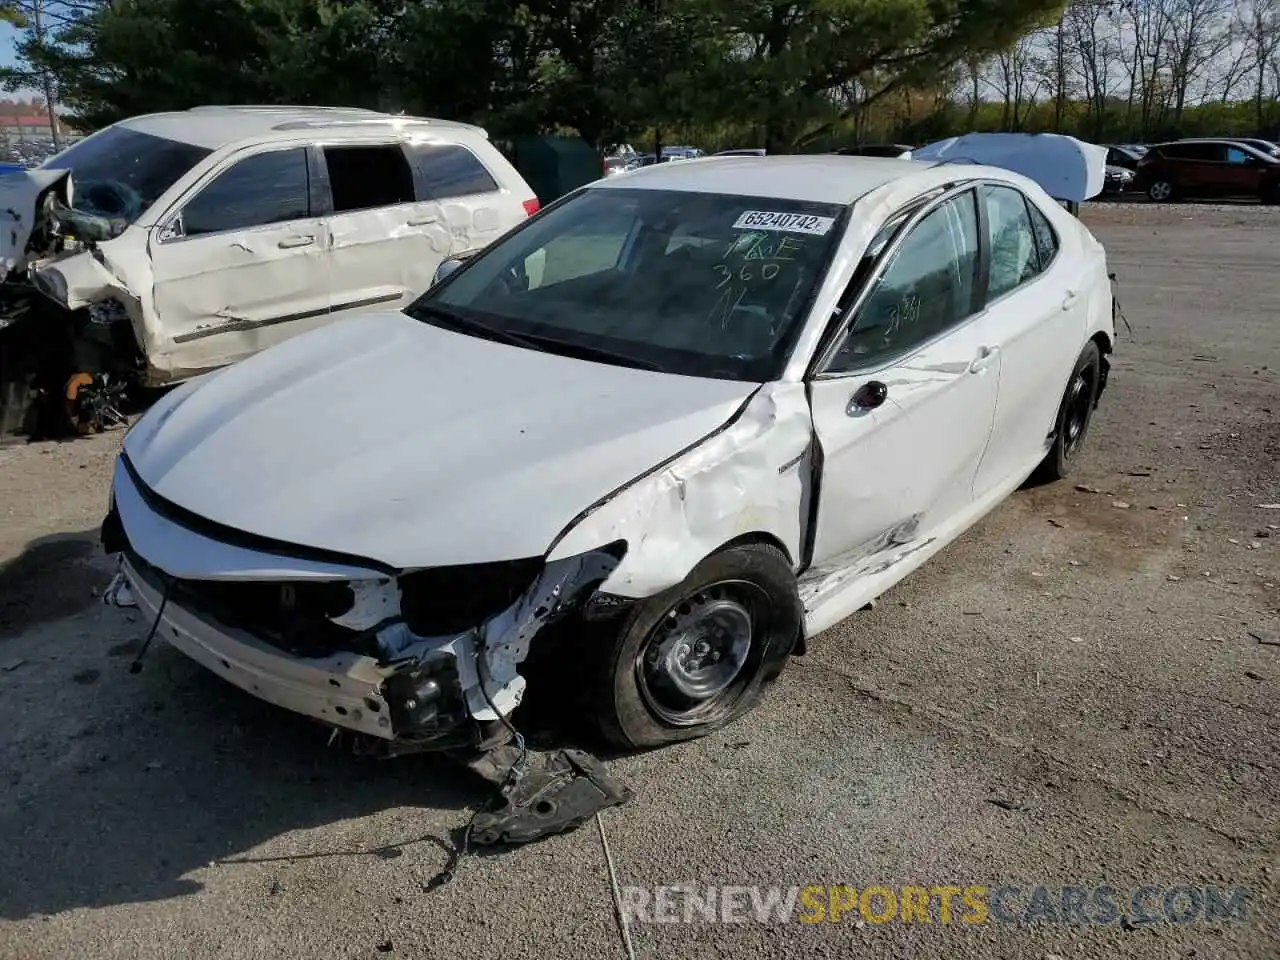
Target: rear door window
{"type": "Point", "coordinates": [365, 176]}
{"type": "Point", "coordinates": [1204, 151]}
{"type": "Point", "coordinates": [1014, 257]}
{"type": "Point", "coordinates": [443, 170]}
{"type": "Point", "coordinates": [1046, 238]}
{"type": "Point", "coordinates": [262, 189]}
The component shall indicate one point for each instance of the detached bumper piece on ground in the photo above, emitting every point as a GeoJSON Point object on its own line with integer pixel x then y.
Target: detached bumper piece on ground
{"type": "Point", "coordinates": [564, 792]}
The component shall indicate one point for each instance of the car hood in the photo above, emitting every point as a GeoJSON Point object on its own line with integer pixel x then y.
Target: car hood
{"type": "Point", "coordinates": [1064, 167]}
{"type": "Point", "coordinates": [388, 439]}
{"type": "Point", "coordinates": [21, 195]}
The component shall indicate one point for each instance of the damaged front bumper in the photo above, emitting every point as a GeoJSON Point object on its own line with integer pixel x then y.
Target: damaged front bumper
{"type": "Point", "coordinates": [385, 656]}
{"type": "Point", "coordinates": [345, 689]}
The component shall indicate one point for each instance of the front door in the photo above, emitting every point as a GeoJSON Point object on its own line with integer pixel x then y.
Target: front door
{"type": "Point", "coordinates": [242, 267]}
{"type": "Point", "coordinates": [903, 409]}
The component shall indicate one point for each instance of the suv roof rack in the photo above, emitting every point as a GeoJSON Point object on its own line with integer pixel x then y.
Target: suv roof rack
{"type": "Point", "coordinates": [377, 120]}
{"type": "Point", "coordinates": [280, 108]}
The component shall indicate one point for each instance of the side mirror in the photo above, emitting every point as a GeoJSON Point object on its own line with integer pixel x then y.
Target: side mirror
{"type": "Point", "coordinates": [173, 230]}
{"type": "Point", "coordinates": [447, 269]}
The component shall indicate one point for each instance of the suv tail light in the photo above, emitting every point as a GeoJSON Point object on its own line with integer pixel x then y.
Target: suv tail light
{"type": "Point", "coordinates": [532, 206]}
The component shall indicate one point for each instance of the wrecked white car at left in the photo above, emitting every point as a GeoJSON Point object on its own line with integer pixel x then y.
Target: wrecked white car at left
{"type": "Point", "coordinates": [172, 244]}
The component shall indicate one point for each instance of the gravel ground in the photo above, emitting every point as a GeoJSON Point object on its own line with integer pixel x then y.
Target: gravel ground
{"type": "Point", "coordinates": [1068, 695]}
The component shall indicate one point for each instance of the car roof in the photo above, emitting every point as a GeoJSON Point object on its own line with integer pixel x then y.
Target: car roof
{"type": "Point", "coordinates": [219, 126]}
{"type": "Point", "coordinates": [818, 178]}
{"type": "Point", "coordinates": [1225, 141]}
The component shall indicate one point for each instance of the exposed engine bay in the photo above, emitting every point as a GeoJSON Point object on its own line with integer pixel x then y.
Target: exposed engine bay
{"type": "Point", "coordinates": [62, 370]}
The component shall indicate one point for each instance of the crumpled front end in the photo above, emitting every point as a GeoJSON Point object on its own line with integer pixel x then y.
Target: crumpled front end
{"type": "Point", "coordinates": [421, 660]}
{"type": "Point", "coordinates": [71, 323]}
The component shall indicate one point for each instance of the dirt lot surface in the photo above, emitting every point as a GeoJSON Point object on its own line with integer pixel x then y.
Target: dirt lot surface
{"type": "Point", "coordinates": [1070, 694]}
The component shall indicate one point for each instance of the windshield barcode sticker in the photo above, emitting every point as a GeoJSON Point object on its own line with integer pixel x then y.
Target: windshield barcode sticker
{"type": "Point", "coordinates": [784, 222]}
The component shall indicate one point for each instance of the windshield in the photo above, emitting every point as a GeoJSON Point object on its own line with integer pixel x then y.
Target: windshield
{"type": "Point", "coordinates": [119, 173]}
{"type": "Point", "coordinates": [698, 284]}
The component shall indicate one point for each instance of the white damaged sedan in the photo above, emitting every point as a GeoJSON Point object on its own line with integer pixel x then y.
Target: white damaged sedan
{"type": "Point", "coordinates": [657, 436]}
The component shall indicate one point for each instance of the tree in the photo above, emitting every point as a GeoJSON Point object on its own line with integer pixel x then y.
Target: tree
{"type": "Point", "coordinates": [1260, 31]}
{"type": "Point", "coordinates": [120, 59]}
{"type": "Point", "coordinates": [37, 20]}
{"type": "Point", "coordinates": [1014, 79]}
{"type": "Point", "coordinates": [789, 58]}
{"type": "Point", "coordinates": [1090, 27]}
{"type": "Point", "coordinates": [1199, 34]}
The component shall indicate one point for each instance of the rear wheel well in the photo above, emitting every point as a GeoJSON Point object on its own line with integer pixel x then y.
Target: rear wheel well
{"type": "Point", "coordinates": [1104, 349]}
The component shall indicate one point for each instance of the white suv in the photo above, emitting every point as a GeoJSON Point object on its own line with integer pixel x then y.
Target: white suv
{"type": "Point", "coordinates": [215, 232]}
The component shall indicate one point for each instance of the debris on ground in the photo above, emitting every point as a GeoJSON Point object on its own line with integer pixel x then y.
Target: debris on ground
{"type": "Point", "coordinates": [1121, 504]}
{"type": "Point", "coordinates": [1267, 637]}
{"type": "Point", "coordinates": [1086, 488]}
{"type": "Point", "coordinates": [10, 665]}
{"type": "Point", "coordinates": [566, 792]}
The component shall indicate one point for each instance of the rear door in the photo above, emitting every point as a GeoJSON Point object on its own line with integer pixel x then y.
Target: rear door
{"type": "Point", "coordinates": [1203, 171]}
{"type": "Point", "coordinates": [1037, 303]}
{"type": "Point", "coordinates": [400, 209]}
{"type": "Point", "coordinates": [242, 264]}
{"type": "Point", "coordinates": [1242, 173]}
{"type": "Point", "coordinates": [376, 245]}
{"type": "Point", "coordinates": [903, 406]}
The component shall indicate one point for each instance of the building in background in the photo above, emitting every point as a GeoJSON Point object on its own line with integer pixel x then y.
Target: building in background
{"type": "Point", "coordinates": [26, 120]}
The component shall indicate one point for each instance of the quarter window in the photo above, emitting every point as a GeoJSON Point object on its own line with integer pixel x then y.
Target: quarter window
{"type": "Point", "coordinates": [927, 288]}
{"type": "Point", "coordinates": [1014, 257]}
{"type": "Point", "coordinates": [259, 190]}
{"type": "Point", "coordinates": [1046, 238]}
{"type": "Point", "coordinates": [444, 170]}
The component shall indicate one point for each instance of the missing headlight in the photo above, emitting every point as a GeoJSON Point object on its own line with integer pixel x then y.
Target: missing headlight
{"type": "Point", "coordinates": [446, 600]}
{"type": "Point", "coordinates": [107, 312]}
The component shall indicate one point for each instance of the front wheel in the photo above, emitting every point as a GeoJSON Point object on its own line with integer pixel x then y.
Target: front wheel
{"type": "Point", "coordinates": [1074, 416]}
{"type": "Point", "coordinates": [696, 657]}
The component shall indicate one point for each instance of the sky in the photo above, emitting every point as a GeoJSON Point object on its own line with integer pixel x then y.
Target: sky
{"type": "Point", "coordinates": [7, 37]}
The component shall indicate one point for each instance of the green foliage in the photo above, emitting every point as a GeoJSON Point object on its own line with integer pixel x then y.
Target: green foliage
{"type": "Point", "coordinates": [786, 74]}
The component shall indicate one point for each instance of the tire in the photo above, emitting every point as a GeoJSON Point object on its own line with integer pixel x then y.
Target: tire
{"type": "Point", "coordinates": [1270, 194]}
{"type": "Point", "coordinates": [1160, 191]}
{"type": "Point", "coordinates": [636, 699]}
{"type": "Point", "coordinates": [1075, 413]}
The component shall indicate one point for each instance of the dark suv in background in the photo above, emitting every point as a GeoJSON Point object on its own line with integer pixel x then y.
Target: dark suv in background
{"type": "Point", "coordinates": [1209, 169]}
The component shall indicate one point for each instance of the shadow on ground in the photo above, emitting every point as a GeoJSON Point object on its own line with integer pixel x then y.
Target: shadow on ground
{"type": "Point", "coordinates": [124, 784]}
{"type": "Point", "coordinates": [55, 576]}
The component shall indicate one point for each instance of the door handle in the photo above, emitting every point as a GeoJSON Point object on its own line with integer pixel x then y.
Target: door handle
{"type": "Point", "coordinates": [986, 356]}
{"type": "Point", "coordinates": [423, 221]}
{"type": "Point", "coordinates": [288, 242]}
{"type": "Point", "coordinates": [869, 396]}
{"type": "Point", "coordinates": [1070, 299]}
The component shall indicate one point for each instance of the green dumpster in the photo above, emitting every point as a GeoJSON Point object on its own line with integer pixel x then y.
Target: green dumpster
{"type": "Point", "coordinates": [554, 166]}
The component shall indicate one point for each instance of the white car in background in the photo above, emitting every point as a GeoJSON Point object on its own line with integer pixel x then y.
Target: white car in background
{"type": "Point", "coordinates": [196, 238]}
{"type": "Point", "coordinates": [660, 435]}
